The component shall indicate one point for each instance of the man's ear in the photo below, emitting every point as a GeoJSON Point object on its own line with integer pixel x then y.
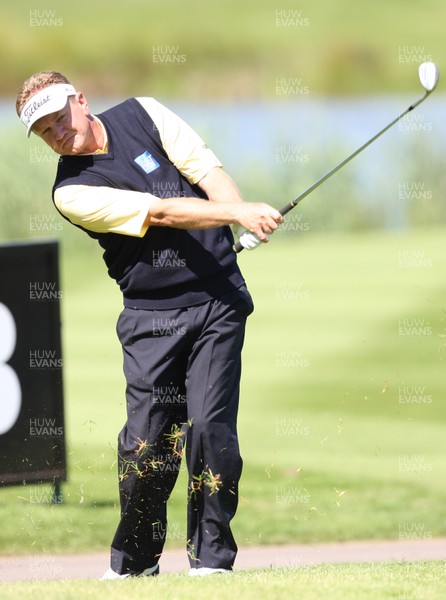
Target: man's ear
{"type": "Point", "coordinates": [82, 102]}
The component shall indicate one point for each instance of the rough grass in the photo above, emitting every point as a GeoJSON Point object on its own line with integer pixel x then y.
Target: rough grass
{"type": "Point", "coordinates": [382, 581]}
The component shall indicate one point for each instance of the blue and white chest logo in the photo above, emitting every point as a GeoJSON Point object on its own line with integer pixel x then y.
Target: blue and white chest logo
{"type": "Point", "coordinates": [146, 162]}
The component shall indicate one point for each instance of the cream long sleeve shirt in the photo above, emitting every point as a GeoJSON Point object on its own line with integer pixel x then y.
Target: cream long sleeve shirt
{"type": "Point", "coordinates": [104, 209]}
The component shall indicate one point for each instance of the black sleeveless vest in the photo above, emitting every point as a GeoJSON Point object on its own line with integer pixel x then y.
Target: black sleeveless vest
{"type": "Point", "coordinates": [168, 267]}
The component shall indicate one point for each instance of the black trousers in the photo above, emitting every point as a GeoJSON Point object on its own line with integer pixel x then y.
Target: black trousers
{"type": "Point", "coordinates": [182, 368]}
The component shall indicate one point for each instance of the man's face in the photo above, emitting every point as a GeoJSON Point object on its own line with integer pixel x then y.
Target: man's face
{"type": "Point", "coordinates": [68, 131]}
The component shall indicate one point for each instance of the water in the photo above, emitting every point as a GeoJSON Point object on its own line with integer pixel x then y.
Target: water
{"type": "Point", "coordinates": [263, 133]}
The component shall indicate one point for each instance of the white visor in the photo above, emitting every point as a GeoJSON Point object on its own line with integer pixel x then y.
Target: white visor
{"type": "Point", "coordinates": [46, 101]}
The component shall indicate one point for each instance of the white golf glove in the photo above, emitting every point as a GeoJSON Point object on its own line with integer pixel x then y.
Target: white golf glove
{"type": "Point", "coordinates": [248, 240]}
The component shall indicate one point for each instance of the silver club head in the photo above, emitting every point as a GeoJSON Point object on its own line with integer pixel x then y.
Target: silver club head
{"type": "Point", "coordinates": [428, 73]}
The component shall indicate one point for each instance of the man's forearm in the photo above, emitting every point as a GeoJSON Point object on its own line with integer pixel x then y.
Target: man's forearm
{"type": "Point", "coordinates": [195, 213]}
{"type": "Point", "coordinates": [224, 207]}
{"type": "Point", "coordinates": [191, 213]}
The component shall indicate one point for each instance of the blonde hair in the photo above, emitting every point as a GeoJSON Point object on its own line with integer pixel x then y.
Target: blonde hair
{"type": "Point", "coordinates": [34, 84]}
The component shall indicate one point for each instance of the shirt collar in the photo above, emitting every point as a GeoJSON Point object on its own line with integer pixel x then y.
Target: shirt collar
{"type": "Point", "coordinates": [104, 148]}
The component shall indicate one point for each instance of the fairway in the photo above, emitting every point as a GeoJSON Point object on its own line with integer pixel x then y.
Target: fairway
{"type": "Point", "coordinates": [341, 413]}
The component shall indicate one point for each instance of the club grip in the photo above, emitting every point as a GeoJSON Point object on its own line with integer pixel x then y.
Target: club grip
{"type": "Point", "coordinates": [237, 247]}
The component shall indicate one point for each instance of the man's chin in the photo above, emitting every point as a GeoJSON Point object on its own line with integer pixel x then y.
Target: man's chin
{"type": "Point", "coordinates": [69, 147]}
{"type": "Point", "coordinates": [73, 146]}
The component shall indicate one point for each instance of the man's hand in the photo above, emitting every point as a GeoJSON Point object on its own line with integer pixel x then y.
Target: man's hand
{"type": "Point", "coordinates": [254, 221]}
{"type": "Point", "coordinates": [259, 219]}
{"type": "Point", "coordinates": [248, 240]}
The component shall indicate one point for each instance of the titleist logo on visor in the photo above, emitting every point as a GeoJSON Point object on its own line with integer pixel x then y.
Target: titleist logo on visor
{"type": "Point", "coordinates": [35, 105]}
{"type": "Point", "coordinates": [46, 101]}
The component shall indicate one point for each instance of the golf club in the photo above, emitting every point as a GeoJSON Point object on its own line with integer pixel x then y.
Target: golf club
{"type": "Point", "coordinates": [428, 74]}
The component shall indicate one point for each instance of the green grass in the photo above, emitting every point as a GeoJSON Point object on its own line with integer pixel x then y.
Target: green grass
{"type": "Point", "coordinates": [228, 49]}
{"type": "Point", "coordinates": [332, 449]}
{"type": "Point", "coordinates": [396, 581]}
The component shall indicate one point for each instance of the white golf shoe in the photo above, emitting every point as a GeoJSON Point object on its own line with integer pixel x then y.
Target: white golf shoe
{"type": "Point", "coordinates": [149, 572]}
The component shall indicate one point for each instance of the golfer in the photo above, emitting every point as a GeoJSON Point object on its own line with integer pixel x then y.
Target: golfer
{"type": "Point", "coordinates": [155, 197]}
